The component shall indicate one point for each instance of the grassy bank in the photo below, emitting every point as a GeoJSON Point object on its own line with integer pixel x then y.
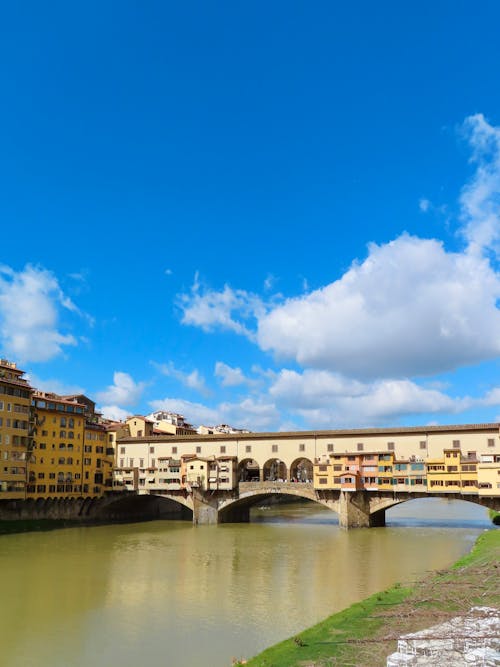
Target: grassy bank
{"type": "Point", "coordinates": [365, 633]}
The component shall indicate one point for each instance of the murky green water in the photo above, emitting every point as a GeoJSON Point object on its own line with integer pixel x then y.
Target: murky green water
{"type": "Point", "coordinates": [171, 595]}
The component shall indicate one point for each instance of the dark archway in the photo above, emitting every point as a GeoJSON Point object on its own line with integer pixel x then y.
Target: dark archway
{"type": "Point", "coordinates": [132, 507]}
{"type": "Point", "coordinates": [248, 471]}
{"type": "Point", "coordinates": [301, 470]}
{"type": "Point", "coordinates": [275, 471]}
{"type": "Point", "coordinates": [238, 511]}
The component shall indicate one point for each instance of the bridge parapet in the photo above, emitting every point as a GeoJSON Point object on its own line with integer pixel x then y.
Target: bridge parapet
{"type": "Point", "coordinates": [293, 488]}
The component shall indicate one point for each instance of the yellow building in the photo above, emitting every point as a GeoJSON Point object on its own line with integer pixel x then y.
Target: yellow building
{"type": "Point", "coordinates": [488, 475]}
{"type": "Point", "coordinates": [16, 430]}
{"type": "Point", "coordinates": [70, 456]}
{"type": "Point", "coordinates": [453, 472]}
{"type": "Point", "coordinates": [55, 466]}
{"type": "Point", "coordinates": [98, 460]}
{"type": "Point", "coordinates": [385, 471]}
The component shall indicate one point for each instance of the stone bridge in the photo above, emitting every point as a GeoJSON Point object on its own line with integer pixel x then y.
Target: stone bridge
{"type": "Point", "coordinates": [355, 509]}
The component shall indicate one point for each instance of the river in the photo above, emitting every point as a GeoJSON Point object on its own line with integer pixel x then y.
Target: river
{"type": "Point", "coordinates": [169, 594]}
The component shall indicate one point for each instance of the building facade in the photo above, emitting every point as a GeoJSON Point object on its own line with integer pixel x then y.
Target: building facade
{"type": "Point", "coordinates": [451, 459]}
{"type": "Point", "coordinates": [16, 430]}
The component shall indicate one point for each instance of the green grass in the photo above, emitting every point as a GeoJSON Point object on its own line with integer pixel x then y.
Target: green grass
{"type": "Point", "coordinates": [333, 641]}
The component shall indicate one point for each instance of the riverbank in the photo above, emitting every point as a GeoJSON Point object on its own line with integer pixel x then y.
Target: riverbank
{"type": "Point", "coordinates": [364, 634]}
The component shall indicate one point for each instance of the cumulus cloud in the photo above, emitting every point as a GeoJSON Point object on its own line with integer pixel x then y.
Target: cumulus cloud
{"type": "Point", "coordinates": [123, 392]}
{"type": "Point", "coordinates": [193, 380]}
{"type": "Point", "coordinates": [228, 309]}
{"type": "Point", "coordinates": [480, 198]}
{"type": "Point", "coordinates": [114, 412]}
{"type": "Point", "coordinates": [410, 308]}
{"type": "Point", "coordinates": [196, 413]}
{"type": "Point", "coordinates": [249, 413]}
{"type": "Point", "coordinates": [31, 303]}
{"type": "Point", "coordinates": [229, 377]}
{"type": "Point", "coordinates": [54, 385]}
{"type": "Point", "coordinates": [328, 400]}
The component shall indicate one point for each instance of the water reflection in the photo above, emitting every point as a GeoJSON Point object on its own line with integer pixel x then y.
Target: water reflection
{"type": "Point", "coordinates": [172, 594]}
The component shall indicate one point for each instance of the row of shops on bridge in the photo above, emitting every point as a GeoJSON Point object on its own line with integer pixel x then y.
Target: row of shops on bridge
{"type": "Point", "coordinates": [453, 472]}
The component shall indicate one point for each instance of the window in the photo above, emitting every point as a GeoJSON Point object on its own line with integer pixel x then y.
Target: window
{"type": "Point", "coordinates": [151, 450]}
{"type": "Point", "coordinates": [198, 449]}
{"type": "Point", "coordinates": [390, 446]}
{"type": "Point", "coordinates": [153, 463]}
{"type": "Point", "coordinates": [274, 448]}
{"type": "Point", "coordinates": [223, 449]}
{"type": "Point", "coordinates": [248, 448]}
{"type": "Point", "coordinates": [491, 442]}
{"type": "Point", "coordinates": [131, 463]}
{"type": "Point", "coordinates": [122, 463]}
{"type": "Point", "coordinates": [174, 450]}
{"type": "Point", "coordinates": [87, 462]}
{"type": "Point", "coordinates": [360, 446]}
{"type": "Point", "coordinates": [302, 448]}
{"type": "Point", "coordinates": [423, 444]}
{"type": "Point", "coordinates": [122, 450]}
{"type": "Point", "coordinates": [456, 444]}
{"type": "Point", "coordinates": [323, 480]}
{"type": "Point", "coordinates": [323, 468]}
{"type": "Point", "coordinates": [141, 463]}
{"type": "Point", "coordinates": [329, 447]}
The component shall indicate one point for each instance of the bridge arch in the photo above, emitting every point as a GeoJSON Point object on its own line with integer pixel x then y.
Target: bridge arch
{"type": "Point", "coordinates": [382, 502]}
{"type": "Point", "coordinates": [301, 470]}
{"type": "Point", "coordinates": [248, 471]}
{"type": "Point", "coordinates": [145, 506]}
{"type": "Point", "coordinates": [238, 510]}
{"type": "Point", "coordinates": [274, 470]}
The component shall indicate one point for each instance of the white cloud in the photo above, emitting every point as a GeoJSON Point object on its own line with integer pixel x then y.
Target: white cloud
{"type": "Point", "coordinates": [230, 377]}
{"type": "Point", "coordinates": [269, 282]}
{"type": "Point", "coordinates": [193, 380]}
{"type": "Point", "coordinates": [480, 198]}
{"type": "Point", "coordinates": [249, 413]}
{"type": "Point", "coordinates": [31, 302]}
{"type": "Point", "coordinates": [123, 392]}
{"type": "Point", "coordinates": [195, 413]}
{"type": "Point", "coordinates": [228, 309]}
{"type": "Point", "coordinates": [253, 414]}
{"type": "Point", "coordinates": [54, 385]}
{"type": "Point", "coordinates": [312, 388]}
{"type": "Point", "coordinates": [326, 399]}
{"type": "Point", "coordinates": [410, 308]}
{"type": "Point", "coordinates": [424, 205]}
{"type": "Point", "coordinates": [114, 412]}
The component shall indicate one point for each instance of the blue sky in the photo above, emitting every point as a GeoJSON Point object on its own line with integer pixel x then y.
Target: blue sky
{"type": "Point", "coordinates": [275, 215]}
